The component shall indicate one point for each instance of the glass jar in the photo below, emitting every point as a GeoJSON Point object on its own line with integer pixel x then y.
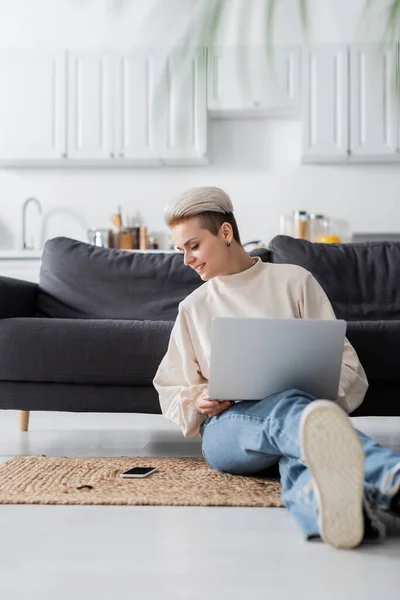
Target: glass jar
{"type": "Point", "coordinates": [318, 226]}
{"type": "Point", "coordinates": [99, 237]}
{"type": "Point", "coordinates": [327, 232]}
{"type": "Point", "coordinates": [153, 243]}
{"type": "Point", "coordinates": [301, 222]}
{"type": "Point", "coordinates": [286, 225]}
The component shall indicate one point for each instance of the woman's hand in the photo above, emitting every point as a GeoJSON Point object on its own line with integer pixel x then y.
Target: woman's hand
{"type": "Point", "coordinates": [211, 408]}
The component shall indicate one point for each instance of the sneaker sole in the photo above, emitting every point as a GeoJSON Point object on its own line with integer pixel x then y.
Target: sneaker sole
{"type": "Point", "coordinates": [335, 457]}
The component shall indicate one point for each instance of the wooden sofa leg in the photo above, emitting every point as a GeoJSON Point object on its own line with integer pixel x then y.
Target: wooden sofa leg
{"type": "Point", "coordinates": [23, 420]}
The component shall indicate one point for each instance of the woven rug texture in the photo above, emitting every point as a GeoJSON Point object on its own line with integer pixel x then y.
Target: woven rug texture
{"type": "Point", "coordinates": [180, 481]}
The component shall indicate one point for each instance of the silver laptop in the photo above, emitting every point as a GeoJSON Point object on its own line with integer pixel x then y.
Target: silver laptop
{"type": "Point", "coordinates": [255, 358]}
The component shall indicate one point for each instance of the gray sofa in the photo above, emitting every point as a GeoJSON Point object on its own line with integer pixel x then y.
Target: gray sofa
{"type": "Point", "coordinates": [90, 335]}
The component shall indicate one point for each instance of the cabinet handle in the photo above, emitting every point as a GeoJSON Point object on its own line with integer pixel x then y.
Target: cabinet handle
{"type": "Point", "coordinates": [112, 155]}
{"type": "Point", "coordinates": [64, 155]}
{"type": "Point", "coordinates": [121, 155]}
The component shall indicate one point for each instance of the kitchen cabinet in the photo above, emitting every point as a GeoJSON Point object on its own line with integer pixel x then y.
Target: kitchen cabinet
{"type": "Point", "coordinates": [161, 114]}
{"type": "Point", "coordinates": [91, 88]}
{"type": "Point", "coordinates": [102, 107]}
{"type": "Point", "coordinates": [32, 105]}
{"type": "Point", "coordinates": [350, 110]}
{"type": "Point", "coordinates": [136, 126]}
{"type": "Point", "coordinates": [181, 120]}
{"type": "Point", "coordinates": [373, 103]}
{"type": "Point", "coordinates": [254, 81]}
{"type": "Point", "coordinates": [325, 104]}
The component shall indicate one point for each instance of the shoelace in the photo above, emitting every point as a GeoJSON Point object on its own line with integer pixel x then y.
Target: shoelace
{"type": "Point", "coordinates": [387, 486]}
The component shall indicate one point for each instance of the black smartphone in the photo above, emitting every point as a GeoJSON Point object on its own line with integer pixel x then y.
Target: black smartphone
{"type": "Point", "coordinates": [139, 472]}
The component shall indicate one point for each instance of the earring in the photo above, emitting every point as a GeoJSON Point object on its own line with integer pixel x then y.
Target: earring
{"type": "Point", "coordinates": [228, 243]}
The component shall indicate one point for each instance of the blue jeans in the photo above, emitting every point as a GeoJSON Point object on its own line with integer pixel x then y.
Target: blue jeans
{"type": "Point", "coordinates": [249, 437]}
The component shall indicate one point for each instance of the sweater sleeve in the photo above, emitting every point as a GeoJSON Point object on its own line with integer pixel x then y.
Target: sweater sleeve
{"type": "Point", "coordinates": [179, 381]}
{"type": "Point", "coordinates": [313, 303]}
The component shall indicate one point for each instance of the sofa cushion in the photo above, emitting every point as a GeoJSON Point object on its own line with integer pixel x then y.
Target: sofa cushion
{"type": "Point", "coordinates": [82, 351]}
{"type": "Point", "coordinates": [362, 280]}
{"type": "Point", "coordinates": [81, 281]}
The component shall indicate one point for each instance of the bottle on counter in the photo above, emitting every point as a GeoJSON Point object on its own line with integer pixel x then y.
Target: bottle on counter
{"type": "Point", "coordinates": [153, 243]}
{"type": "Point", "coordinates": [301, 222]}
{"type": "Point", "coordinates": [143, 243]}
{"type": "Point", "coordinates": [135, 233]}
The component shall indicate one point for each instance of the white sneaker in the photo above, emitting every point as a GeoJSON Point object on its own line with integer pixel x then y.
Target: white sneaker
{"type": "Point", "coordinates": [335, 457]}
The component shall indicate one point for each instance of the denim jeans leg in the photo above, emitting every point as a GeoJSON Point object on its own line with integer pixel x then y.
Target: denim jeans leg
{"type": "Point", "coordinates": [379, 463]}
{"type": "Point", "coordinates": [250, 436]}
{"type": "Point", "coordinates": [298, 496]}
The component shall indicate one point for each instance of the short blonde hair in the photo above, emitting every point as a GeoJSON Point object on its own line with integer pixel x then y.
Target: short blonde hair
{"type": "Point", "coordinates": [211, 204]}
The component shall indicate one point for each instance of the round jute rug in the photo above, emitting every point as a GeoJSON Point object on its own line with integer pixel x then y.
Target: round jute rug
{"type": "Point", "coordinates": [178, 482]}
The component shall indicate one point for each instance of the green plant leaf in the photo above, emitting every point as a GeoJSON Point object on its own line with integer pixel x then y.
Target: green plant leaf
{"type": "Point", "coordinates": [393, 23]}
{"type": "Point", "coordinates": [304, 15]}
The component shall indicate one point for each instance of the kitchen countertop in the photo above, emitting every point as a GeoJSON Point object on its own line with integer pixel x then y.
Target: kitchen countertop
{"type": "Point", "coordinates": [20, 254]}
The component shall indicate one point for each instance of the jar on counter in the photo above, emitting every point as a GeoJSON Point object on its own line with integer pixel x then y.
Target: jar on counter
{"type": "Point", "coordinates": [318, 226]}
{"type": "Point", "coordinates": [286, 225]}
{"type": "Point", "coordinates": [99, 237]}
{"type": "Point", "coordinates": [153, 243]}
{"type": "Point", "coordinates": [301, 222]}
{"type": "Point", "coordinates": [324, 231]}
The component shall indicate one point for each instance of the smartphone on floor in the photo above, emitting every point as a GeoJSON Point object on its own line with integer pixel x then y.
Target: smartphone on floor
{"type": "Point", "coordinates": [139, 472]}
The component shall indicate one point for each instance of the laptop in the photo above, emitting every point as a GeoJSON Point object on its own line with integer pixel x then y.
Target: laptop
{"type": "Point", "coordinates": [255, 358]}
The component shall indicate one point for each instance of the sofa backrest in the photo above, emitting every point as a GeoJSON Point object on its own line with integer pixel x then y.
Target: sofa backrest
{"type": "Point", "coordinates": [81, 281]}
{"type": "Point", "coordinates": [362, 280]}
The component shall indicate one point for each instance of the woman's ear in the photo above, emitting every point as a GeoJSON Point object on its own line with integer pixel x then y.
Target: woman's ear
{"type": "Point", "coordinates": [227, 232]}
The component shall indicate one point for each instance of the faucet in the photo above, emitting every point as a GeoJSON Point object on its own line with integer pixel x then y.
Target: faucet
{"type": "Point", "coordinates": [28, 201]}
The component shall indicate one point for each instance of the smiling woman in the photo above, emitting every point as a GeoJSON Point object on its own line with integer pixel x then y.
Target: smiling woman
{"type": "Point", "coordinates": [309, 437]}
{"type": "Point", "coordinates": [204, 229]}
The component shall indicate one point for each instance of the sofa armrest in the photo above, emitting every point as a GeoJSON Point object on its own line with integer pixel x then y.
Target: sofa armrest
{"type": "Point", "coordinates": [17, 298]}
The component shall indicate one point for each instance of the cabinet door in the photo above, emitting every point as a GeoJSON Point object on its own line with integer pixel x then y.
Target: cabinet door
{"type": "Point", "coordinates": [180, 120]}
{"type": "Point", "coordinates": [32, 105]}
{"type": "Point", "coordinates": [254, 81]}
{"type": "Point", "coordinates": [325, 104]}
{"type": "Point", "coordinates": [276, 78]}
{"type": "Point", "coordinates": [90, 105]}
{"type": "Point", "coordinates": [137, 73]}
{"type": "Point", "coordinates": [228, 80]}
{"type": "Point", "coordinates": [373, 106]}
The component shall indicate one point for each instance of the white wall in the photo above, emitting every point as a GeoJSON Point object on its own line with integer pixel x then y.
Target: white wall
{"type": "Point", "coordinates": [257, 162]}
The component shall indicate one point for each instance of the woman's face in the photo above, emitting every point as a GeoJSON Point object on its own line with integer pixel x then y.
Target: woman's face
{"type": "Point", "coordinates": [204, 252]}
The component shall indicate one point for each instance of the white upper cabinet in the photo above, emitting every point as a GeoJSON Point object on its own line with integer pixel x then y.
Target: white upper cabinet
{"type": "Point", "coordinates": [373, 105]}
{"type": "Point", "coordinates": [179, 107]}
{"type": "Point", "coordinates": [32, 105]}
{"type": "Point", "coordinates": [254, 81]}
{"type": "Point", "coordinates": [90, 105]}
{"type": "Point", "coordinates": [122, 108]}
{"type": "Point", "coordinates": [325, 104]}
{"type": "Point", "coordinates": [135, 119]}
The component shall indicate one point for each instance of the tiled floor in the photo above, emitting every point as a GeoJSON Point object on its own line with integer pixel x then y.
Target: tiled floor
{"type": "Point", "coordinates": [80, 552]}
